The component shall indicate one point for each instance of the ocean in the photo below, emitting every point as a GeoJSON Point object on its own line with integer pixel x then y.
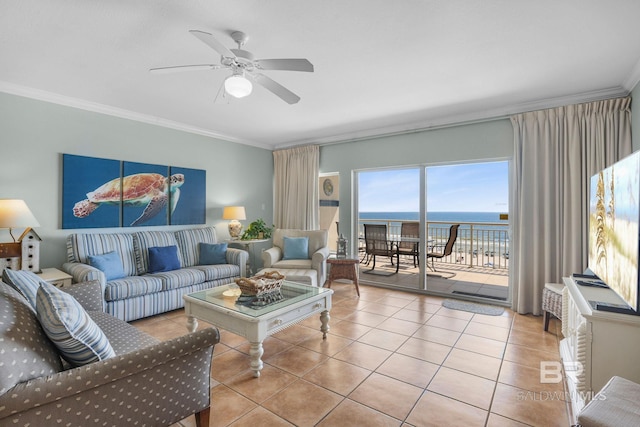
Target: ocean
{"type": "Point", "coordinates": [449, 217]}
{"type": "Point", "coordinates": [493, 238]}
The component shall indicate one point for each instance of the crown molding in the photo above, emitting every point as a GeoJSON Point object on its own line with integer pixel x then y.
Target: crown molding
{"type": "Point", "coordinates": [95, 107]}
{"type": "Point", "coordinates": [405, 128]}
{"type": "Point", "coordinates": [633, 79]}
{"type": "Point", "coordinates": [465, 118]}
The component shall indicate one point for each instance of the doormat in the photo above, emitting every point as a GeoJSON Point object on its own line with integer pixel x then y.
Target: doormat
{"type": "Point", "coordinates": [475, 294]}
{"type": "Point", "coordinates": [443, 275]}
{"type": "Point", "coordinates": [473, 307]}
{"type": "Point", "coordinates": [380, 273]}
{"type": "Point", "coordinates": [402, 266]}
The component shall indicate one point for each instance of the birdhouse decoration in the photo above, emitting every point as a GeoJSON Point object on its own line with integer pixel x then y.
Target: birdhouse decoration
{"type": "Point", "coordinates": [24, 253]}
{"type": "Point", "coordinates": [342, 247]}
{"type": "Point", "coordinates": [30, 246]}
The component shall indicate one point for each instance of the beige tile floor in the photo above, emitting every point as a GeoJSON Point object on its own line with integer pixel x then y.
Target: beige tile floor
{"type": "Point", "coordinates": [391, 358]}
{"type": "Point", "coordinates": [448, 279]}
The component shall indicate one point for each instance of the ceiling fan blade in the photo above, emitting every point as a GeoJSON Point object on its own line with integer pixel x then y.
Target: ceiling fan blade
{"type": "Point", "coordinates": [277, 89]}
{"type": "Point", "coordinates": [178, 68]}
{"type": "Point", "coordinates": [213, 43]}
{"type": "Point", "coordinates": [291, 64]}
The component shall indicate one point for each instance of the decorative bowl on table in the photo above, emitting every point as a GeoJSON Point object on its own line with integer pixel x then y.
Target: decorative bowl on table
{"type": "Point", "coordinates": [261, 283]}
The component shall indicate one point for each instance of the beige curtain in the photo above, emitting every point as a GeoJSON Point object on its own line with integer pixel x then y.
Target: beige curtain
{"type": "Point", "coordinates": [296, 197]}
{"type": "Point", "coordinates": [556, 153]}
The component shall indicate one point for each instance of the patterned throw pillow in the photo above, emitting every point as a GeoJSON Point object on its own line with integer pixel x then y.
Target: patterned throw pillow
{"type": "Point", "coordinates": [77, 337]}
{"type": "Point", "coordinates": [25, 282]}
{"type": "Point", "coordinates": [25, 351]}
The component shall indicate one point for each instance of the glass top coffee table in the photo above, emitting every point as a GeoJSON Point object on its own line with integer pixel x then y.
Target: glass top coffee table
{"type": "Point", "coordinates": [257, 318]}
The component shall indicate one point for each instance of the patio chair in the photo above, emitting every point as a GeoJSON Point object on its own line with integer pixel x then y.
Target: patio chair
{"type": "Point", "coordinates": [409, 241]}
{"type": "Point", "coordinates": [376, 243]}
{"type": "Point", "coordinates": [447, 247]}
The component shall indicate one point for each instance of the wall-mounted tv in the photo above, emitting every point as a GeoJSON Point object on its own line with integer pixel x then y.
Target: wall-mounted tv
{"type": "Point", "coordinates": [614, 239]}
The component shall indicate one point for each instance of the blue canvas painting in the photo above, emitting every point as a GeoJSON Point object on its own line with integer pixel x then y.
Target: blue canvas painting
{"type": "Point", "coordinates": [189, 201]}
{"type": "Point", "coordinates": [145, 194]}
{"type": "Point", "coordinates": [90, 192]}
{"type": "Point", "coordinates": [100, 193]}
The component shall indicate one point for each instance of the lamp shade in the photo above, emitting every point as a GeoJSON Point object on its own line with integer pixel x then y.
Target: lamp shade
{"type": "Point", "coordinates": [15, 213]}
{"type": "Point", "coordinates": [234, 212]}
{"type": "Point", "coordinates": [238, 86]}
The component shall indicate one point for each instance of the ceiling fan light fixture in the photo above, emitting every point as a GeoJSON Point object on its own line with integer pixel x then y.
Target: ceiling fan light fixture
{"type": "Point", "coordinates": [238, 86]}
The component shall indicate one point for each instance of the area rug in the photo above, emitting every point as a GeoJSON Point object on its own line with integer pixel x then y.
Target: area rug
{"type": "Point", "coordinates": [490, 310]}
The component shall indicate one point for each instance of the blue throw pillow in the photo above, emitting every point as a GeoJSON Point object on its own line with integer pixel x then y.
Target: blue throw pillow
{"type": "Point", "coordinates": [296, 248]}
{"type": "Point", "coordinates": [163, 258]}
{"type": "Point", "coordinates": [69, 327]}
{"type": "Point", "coordinates": [213, 253]}
{"type": "Point", "coordinates": [110, 264]}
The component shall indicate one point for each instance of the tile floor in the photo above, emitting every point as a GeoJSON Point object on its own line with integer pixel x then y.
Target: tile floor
{"type": "Point", "coordinates": [391, 358]}
{"type": "Point", "coordinates": [448, 279]}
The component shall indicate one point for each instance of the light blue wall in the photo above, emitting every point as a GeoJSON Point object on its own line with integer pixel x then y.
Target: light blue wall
{"type": "Point", "coordinates": [480, 141]}
{"type": "Point", "coordinates": [35, 134]}
{"type": "Point", "coordinates": [635, 117]}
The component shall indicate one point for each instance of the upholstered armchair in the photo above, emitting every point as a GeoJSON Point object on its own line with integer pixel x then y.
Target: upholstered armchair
{"type": "Point", "coordinates": [290, 253]}
{"type": "Point", "coordinates": [147, 382]}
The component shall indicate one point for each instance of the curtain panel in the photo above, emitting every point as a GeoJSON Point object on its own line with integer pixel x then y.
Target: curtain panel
{"type": "Point", "coordinates": [556, 151]}
{"type": "Point", "coordinates": [296, 194]}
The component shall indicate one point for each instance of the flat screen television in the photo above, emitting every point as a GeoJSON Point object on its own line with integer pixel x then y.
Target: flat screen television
{"type": "Point", "coordinates": [614, 239]}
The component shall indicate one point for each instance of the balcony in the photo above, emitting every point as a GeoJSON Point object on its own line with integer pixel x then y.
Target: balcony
{"type": "Point", "coordinates": [478, 266]}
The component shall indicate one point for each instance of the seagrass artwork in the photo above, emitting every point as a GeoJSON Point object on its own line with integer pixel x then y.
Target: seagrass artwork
{"type": "Point", "coordinates": [613, 223]}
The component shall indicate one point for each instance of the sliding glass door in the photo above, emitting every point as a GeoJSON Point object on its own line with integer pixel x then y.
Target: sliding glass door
{"type": "Point", "coordinates": [416, 209]}
{"type": "Point", "coordinates": [472, 200]}
{"type": "Point", "coordinates": [389, 212]}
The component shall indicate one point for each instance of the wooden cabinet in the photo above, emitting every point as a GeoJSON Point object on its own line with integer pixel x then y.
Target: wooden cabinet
{"type": "Point", "coordinates": [597, 345]}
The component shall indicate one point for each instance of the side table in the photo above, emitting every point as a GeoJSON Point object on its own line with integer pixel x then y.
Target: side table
{"type": "Point", "coordinates": [248, 246]}
{"type": "Point", "coordinates": [55, 277]}
{"type": "Point", "coordinates": [344, 268]}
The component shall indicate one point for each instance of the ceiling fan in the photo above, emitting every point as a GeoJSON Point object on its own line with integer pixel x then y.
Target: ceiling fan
{"type": "Point", "coordinates": [244, 67]}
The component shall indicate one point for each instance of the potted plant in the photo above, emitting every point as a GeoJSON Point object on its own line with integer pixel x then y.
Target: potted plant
{"type": "Point", "coordinates": [257, 230]}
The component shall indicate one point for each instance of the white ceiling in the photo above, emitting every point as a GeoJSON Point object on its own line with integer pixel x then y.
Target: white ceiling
{"type": "Point", "coordinates": [381, 66]}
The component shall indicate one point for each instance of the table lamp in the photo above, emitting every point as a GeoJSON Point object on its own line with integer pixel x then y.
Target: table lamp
{"type": "Point", "coordinates": [234, 213]}
{"type": "Point", "coordinates": [14, 213]}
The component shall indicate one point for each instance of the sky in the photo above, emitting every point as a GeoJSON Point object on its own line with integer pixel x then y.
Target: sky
{"type": "Point", "coordinates": [476, 187]}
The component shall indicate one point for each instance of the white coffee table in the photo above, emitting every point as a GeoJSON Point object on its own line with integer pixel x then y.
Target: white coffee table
{"type": "Point", "coordinates": [254, 322]}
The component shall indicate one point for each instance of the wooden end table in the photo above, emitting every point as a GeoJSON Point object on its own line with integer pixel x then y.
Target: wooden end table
{"type": "Point", "coordinates": [344, 268]}
{"type": "Point", "coordinates": [55, 277]}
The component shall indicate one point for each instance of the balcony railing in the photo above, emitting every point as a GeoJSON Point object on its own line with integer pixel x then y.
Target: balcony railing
{"type": "Point", "coordinates": [479, 244]}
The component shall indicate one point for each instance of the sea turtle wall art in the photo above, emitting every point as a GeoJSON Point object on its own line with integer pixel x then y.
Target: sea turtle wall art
{"type": "Point", "coordinates": [109, 193]}
{"type": "Point", "coordinates": [149, 190]}
{"type": "Point", "coordinates": [145, 194]}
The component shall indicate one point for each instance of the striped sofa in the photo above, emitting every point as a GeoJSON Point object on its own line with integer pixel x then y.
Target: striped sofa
{"type": "Point", "coordinates": [140, 293]}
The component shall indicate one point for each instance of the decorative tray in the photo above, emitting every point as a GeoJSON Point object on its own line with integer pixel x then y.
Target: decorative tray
{"type": "Point", "coordinates": [261, 283]}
